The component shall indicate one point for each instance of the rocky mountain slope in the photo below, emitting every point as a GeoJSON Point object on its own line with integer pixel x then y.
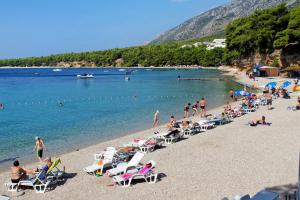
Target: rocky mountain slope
{"type": "Point", "coordinates": [214, 21]}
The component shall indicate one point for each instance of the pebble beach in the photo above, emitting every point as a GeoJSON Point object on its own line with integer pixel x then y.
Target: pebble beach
{"type": "Point", "coordinates": [225, 161]}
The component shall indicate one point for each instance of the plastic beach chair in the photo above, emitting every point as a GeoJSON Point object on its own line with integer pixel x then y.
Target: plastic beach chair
{"type": "Point", "coordinates": [39, 183]}
{"type": "Point", "coordinates": [123, 167]}
{"type": "Point", "coordinates": [145, 173]}
{"type": "Point", "coordinates": [105, 161]}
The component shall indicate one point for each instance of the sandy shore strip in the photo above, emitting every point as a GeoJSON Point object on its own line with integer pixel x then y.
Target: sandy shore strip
{"type": "Point", "coordinates": [228, 160]}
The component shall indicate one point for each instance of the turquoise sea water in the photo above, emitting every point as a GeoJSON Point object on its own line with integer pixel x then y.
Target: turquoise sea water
{"type": "Point", "coordinates": [93, 110]}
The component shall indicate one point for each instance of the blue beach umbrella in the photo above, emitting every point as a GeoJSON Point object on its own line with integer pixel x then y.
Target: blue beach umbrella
{"type": "Point", "coordinates": [286, 84]}
{"type": "Point", "coordinates": [241, 93]}
{"type": "Point", "coordinates": [271, 85]}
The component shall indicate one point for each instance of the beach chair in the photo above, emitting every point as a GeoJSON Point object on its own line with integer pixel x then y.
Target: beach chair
{"type": "Point", "coordinates": [123, 167]}
{"type": "Point", "coordinates": [204, 125]}
{"type": "Point", "coordinates": [145, 146]}
{"type": "Point", "coordinates": [54, 171]}
{"type": "Point", "coordinates": [145, 173]}
{"type": "Point", "coordinates": [102, 162]}
{"type": "Point", "coordinates": [39, 183]}
{"type": "Point", "coordinates": [4, 197]}
{"type": "Point", "coordinates": [169, 137]}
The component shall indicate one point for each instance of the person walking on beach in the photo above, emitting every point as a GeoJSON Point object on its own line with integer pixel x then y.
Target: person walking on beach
{"type": "Point", "coordinates": [231, 93]}
{"type": "Point", "coordinates": [39, 147]}
{"type": "Point", "coordinates": [269, 100]}
{"type": "Point", "coordinates": [186, 110]}
{"type": "Point", "coordinates": [203, 105]}
{"type": "Point", "coordinates": [155, 119]}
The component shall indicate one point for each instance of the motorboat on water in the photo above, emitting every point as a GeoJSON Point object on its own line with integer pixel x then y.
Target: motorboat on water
{"type": "Point", "coordinates": [57, 70]}
{"type": "Point", "coordinates": [127, 78]}
{"type": "Point", "coordinates": [85, 76]}
{"type": "Point", "coordinates": [122, 70]}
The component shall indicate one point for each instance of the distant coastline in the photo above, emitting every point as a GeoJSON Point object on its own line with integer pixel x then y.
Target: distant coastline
{"type": "Point", "coordinates": [117, 67]}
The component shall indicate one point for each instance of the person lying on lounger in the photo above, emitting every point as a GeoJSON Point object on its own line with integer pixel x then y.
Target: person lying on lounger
{"type": "Point", "coordinates": [18, 173]}
{"type": "Point", "coordinates": [261, 121]}
{"type": "Point", "coordinates": [222, 115]}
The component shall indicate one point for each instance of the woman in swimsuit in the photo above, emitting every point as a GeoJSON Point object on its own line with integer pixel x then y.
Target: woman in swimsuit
{"type": "Point", "coordinates": [18, 173]}
{"type": "Point", "coordinates": [186, 110]}
{"type": "Point", "coordinates": [195, 108]}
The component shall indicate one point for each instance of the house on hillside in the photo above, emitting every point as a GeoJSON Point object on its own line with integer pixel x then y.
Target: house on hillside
{"type": "Point", "coordinates": [216, 43]}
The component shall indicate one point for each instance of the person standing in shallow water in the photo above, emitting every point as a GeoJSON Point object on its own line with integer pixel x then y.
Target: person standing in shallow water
{"type": "Point", "coordinates": [156, 118]}
{"type": "Point", "coordinates": [39, 147]}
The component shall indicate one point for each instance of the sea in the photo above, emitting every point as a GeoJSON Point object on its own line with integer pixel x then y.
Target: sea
{"type": "Point", "coordinates": [70, 113]}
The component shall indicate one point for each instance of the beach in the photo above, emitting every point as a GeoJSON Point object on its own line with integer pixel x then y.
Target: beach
{"type": "Point", "coordinates": [228, 160]}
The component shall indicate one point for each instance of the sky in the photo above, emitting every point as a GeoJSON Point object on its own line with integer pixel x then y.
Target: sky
{"type": "Point", "coordinates": [44, 27]}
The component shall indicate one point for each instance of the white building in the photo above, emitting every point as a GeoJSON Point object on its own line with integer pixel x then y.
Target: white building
{"type": "Point", "coordinates": [221, 43]}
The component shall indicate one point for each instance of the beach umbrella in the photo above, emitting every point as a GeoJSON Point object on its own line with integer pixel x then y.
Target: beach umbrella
{"type": "Point", "coordinates": [286, 84]}
{"type": "Point", "coordinates": [271, 85]}
{"type": "Point", "coordinates": [241, 93]}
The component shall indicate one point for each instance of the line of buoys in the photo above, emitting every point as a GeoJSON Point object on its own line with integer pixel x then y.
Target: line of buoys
{"type": "Point", "coordinates": [63, 102]}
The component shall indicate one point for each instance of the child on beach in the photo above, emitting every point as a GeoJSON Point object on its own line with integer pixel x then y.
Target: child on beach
{"type": "Point", "coordinates": [155, 119]}
{"type": "Point", "coordinates": [39, 147]}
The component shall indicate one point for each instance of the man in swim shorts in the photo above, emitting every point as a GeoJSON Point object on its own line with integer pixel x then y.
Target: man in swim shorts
{"type": "Point", "coordinates": [269, 100]}
{"type": "Point", "coordinates": [39, 147]}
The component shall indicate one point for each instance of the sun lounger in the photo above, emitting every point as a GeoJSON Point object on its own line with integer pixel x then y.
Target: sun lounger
{"type": "Point", "coordinates": [104, 162]}
{"type": "Point", "coordinates": [40, 182]}
{"type": "Point", "coordinates": [265, 195]}
{"type": "Point", "coordinates": [145, 173]}
{"type": "Point", "coordinates": [169, 137]}
{"type": "Point", "coordinates": [204, 125]}
{"type": "Point", "coordinates": [123, 167]}
{"type": "Point", "coordinates": [4, 197]}
{"type": "Point", "coordinates": [55, 171]}
{"type": "Point", "coordinates": [145, 146]}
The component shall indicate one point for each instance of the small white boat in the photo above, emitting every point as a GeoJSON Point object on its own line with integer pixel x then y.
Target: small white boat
{"type": "Point", "coordinates": [105, 71]}
{"type": "Point", "coordinates": [57, 70]}
{"type": "Point", "coordinates": [85, 76]}
{"type": "Point", "coordinates": [127, 78]}
{"type": "Point", "coordinates": [122, 70]}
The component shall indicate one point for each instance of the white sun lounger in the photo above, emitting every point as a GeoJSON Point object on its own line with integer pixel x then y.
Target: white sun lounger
{"type": "Point", "coordinates": [106, 159]}
{"type": "Point", "coordinates": [169, 138]}
{"type": "Point", "coordinates": [39, 183]}
{"type": "Point", "coordinates": [144, 146]}
{"type": "Point", "coordinates": [145, 173]}
{"type": "Point", "coordinates": [123, 167]}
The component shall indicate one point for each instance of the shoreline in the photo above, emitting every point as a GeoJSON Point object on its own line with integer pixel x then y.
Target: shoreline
{"type": "Point", "coordinates": [246, 169]}
{"type": "Point", "coordinates": [31, 161]}
{"type": "Point", "coordinates": [115, 138]}
{"type": "Point", "coordinates": [109, 67]}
